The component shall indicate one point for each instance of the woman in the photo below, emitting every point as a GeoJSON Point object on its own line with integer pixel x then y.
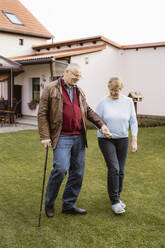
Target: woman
{"type": "Point", "coordinates": [119, 114]}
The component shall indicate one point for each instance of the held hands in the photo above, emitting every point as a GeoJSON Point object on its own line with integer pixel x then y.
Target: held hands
{"type": "Point", "coordinates": [105, 131]}
{"type": "Point", "coordinates": [133, 146]}
{"type": "Point", "coordinates": [46, 143]}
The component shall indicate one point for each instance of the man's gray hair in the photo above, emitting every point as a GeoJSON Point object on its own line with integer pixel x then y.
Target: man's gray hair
{"type": "Point", "coordinates": [72, 66]}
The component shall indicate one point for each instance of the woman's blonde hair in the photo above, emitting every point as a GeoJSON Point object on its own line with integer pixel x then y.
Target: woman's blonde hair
{"type": "Point", "coordinates": [115, 83]}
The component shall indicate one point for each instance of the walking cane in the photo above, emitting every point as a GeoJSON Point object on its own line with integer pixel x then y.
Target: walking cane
{"type": "Point", "coordinates": [43, 185]}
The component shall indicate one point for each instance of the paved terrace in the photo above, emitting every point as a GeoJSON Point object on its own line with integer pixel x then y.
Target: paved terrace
{"type": "Point", "coordinates": [26, 123]}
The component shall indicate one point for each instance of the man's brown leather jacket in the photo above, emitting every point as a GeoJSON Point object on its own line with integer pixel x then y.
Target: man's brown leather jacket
{"type": "Point", "coordinates": [50, 113]}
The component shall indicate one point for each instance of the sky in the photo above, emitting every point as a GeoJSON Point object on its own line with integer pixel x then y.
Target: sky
{"type": "Point", "coordinates": [122, 21]}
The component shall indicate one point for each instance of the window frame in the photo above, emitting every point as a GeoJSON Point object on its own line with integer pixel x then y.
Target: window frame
{"type": "Point", "coordinates": [10, 13]}
{"type": "Point", "coordinates": [21, 42]}
{"type": "Point", "coordinates": [33, 91]}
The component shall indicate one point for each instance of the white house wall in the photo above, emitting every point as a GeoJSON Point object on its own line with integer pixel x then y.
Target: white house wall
{"type": "Point", "coordinates": [144, 71]}
{"type": "Point", "coordinates": [141, 70]}
{"type": "Point", "coordinates": [24, 79]}
{"type": "Point", "coordinates": [101, 66]}
{"type": "Point", "coordinates": [3, 90]}
{"type": "Point", "coordinates": [10, 44]}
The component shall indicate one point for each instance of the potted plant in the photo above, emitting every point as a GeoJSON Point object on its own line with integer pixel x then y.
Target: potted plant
{"type": "Point", "coordinates": [32, 104]}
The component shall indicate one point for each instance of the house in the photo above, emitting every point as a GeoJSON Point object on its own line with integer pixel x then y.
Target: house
{"type": "Point", "coordinates": [141, 67]}
{"type": "Point", "coordinates": [19, 31]}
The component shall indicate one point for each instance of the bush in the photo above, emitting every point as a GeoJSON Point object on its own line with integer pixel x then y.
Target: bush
{"type": "Point", "coordinates": [142, 122]}
{"type": "Point", "coordinates": [151, 122]}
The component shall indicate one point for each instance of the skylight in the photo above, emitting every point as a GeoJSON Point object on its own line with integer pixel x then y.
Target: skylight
{"type": "Point", "coordinates": [12, 18]}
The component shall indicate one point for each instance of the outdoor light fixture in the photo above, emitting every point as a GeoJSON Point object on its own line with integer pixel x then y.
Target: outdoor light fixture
{"type": "Point", "coordinates": [86, 60]}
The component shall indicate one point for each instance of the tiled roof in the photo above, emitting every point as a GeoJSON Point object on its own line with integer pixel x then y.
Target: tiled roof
{"type": "Point", "coordinates": [144, 45]}
{"type": "Point", "coordinates": [6, 63]}
{"type": "Point", "coordinates": [80, 41]}
{"type": "Point", "coordinates": [96, 39]}
{"type": "Point", "coordinates": [3, 77]}
{"type": "Point", "coordinates": [31, 26]}
{"type": "Point", "coordinates": [58, 54]}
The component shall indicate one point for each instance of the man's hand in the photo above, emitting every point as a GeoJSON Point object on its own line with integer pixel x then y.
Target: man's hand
{"type": "Point", "coordinates": [133, 146]}
{"type": "Point", "coordinates": [106, 132]}
{"type": "Point", "coordinates": [46, 143]}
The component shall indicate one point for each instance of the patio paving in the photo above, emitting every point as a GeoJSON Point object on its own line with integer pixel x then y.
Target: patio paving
{"type": "Point", "coordinates": [26, 123]}
{"type": "Point", "coordinates": [16, 128]}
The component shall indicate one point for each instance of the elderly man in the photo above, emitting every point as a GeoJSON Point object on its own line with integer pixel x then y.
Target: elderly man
{"type": "Point", "coordinates": [62, 125]}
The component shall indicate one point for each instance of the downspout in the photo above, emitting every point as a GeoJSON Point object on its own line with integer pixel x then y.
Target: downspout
{"type": "Point", "coordinates": [12, 87]}
{"type": "Point", "coordinates": [9, 90]}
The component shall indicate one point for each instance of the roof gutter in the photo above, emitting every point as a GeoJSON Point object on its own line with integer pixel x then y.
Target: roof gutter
{"type": "Point", "coordinates": [40, 61]}
{"type": "Point", "coordinates": [26, 33]}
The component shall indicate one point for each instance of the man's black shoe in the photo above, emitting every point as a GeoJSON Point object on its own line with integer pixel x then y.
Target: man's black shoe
{"type": "Point", "coordinates": [49, 211]}
{"type": "Point", "coordinates": [74, 210]}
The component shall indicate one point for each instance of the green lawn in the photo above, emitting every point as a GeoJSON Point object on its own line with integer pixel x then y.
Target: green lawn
{"type": "Point", "coordinates": [21, 173]}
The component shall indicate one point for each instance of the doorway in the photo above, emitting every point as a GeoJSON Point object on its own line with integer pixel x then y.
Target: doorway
{"type": "Point", "coordinates": [17, 99]}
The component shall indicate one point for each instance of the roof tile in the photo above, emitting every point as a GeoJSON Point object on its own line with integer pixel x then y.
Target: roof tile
{"type": "Point", "coordinates": [59, 54]}
{"type": "Point", "coordinates": [31, 27]}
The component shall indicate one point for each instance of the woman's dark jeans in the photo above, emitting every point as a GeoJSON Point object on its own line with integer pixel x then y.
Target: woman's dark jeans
{"type": "Point", "coordinates": [115, 153]}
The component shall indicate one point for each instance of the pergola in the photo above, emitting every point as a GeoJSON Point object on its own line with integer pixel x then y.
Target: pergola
{"type": "Point", "coordinates": [8, 70]}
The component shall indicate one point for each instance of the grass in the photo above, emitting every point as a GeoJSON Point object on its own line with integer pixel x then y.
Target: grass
{"type": "Point", "coordinates": [21, 173]}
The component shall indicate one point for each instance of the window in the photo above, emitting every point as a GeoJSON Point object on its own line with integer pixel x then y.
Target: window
{"type": "Point", "coordinates": [21, 42]}
{"type": "Point", "coordinates": [36, 89]}
{"type": "Point", "coordinates": [12, 18]}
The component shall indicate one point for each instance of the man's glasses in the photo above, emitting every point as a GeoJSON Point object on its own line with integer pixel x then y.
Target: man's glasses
{"type": "Point", "coordinates": [76, 75]}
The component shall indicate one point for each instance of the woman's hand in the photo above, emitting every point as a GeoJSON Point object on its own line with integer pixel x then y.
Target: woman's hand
{"type": "Point", "coordinates": [133, 147]}
{"type": "Point", "coordinates": [106, 132]}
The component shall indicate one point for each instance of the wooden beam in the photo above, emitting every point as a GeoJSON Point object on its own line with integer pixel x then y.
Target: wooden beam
{"type": "Point", "coordinates": [51, 70]}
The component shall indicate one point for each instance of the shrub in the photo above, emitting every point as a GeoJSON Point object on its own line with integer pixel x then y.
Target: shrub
{"type": "Point", "coordinates": [151, 121]}
{"type": "Point", "coordinates": [142, 122]}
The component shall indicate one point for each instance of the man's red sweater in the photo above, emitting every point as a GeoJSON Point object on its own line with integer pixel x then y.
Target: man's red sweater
{"type": "Point", "coordinates": [72, 117]}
